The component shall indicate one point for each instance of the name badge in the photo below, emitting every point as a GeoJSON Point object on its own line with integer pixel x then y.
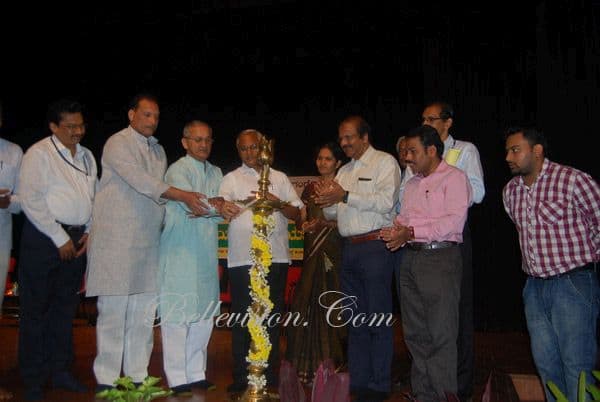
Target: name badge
{"type": "Point", "coordinates": [452, 156]}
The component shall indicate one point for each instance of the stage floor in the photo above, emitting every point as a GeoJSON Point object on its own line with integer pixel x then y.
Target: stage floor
{"type": "Point", "coordinates": [508, 352]}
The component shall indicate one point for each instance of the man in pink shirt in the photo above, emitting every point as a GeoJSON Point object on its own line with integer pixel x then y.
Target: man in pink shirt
{"type": "Point", "coordinates": [429, 226]}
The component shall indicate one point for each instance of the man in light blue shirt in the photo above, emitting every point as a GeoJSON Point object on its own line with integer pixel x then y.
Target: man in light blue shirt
{"type": "Point", "coordinates": [188, 278]}
{"type": "Point", "coordinates": [463, 155]}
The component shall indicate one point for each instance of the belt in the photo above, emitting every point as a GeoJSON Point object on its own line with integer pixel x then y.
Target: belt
{"type": "Point", "coordinates": [71, 228]}
{"type": "Point", "coordinates": [434, 245]}
{"type": "Point", "coordinates": [365, 237]}
{"type": "Point", "coordinates": [588, 267]}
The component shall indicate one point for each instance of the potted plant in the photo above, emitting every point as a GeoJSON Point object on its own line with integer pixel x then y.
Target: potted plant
{"type": "Point", "coordinates": [126, 391]}
{"type": "Point", "coordinates": [582, 391]}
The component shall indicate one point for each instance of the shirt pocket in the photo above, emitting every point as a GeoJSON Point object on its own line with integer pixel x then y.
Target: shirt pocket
{"type": "Point", "coordinates": [552, 212]}
{"type": "Point", "coordinates": [8, 176]}
{"type": "Point", "coordinates": [365, 185]}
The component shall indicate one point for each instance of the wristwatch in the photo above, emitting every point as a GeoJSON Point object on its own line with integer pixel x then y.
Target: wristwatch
{"type": "Point", "coordinates": [345, 199]}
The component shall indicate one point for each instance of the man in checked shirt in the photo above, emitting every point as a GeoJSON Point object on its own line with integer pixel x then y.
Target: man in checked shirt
{"type": "Point", "coordinates": [556, 210]}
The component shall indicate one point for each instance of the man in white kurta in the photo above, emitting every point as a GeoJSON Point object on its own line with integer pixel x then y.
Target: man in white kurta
{"type": "Point", "coordinates": [239, 185]}
{"type": "Point", "coordinates": [188, 278]}
{"type": "Point", "coordinates": [123, 250]}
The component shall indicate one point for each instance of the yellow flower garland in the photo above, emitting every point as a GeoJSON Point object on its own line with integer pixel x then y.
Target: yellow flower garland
{"type": "Point", "coordinates": [260, 252]}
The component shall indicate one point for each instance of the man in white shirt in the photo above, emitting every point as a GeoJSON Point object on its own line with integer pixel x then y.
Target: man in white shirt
{"type": "Point", "coordinates": [56, 187]}
{"type": "Point", "coordinates": [362, 199]}
{"type": "Point", "coordinates": [242, 184]}
{"type": "Point", "coordinates": [463, 155]}
{"type": "Point", "coordinates": [10, 162]}
{"type": "Point", "coordinates": [405, 170]}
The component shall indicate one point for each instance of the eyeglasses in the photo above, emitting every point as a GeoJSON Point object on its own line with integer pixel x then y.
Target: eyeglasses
{"type": "Point", "coordinates": [430, 119]}
{"type": "Point", "coordinates": [73, 127]}
{"type": "Point", "coordinates": [199, 140]}
{"type": "Point", "coordinates": [252, 147]}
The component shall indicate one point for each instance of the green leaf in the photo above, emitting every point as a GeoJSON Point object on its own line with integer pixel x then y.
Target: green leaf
{"type": "Point", "coordinates": [560, 397]}
{"type": "Point", "coordinates": [125, 390]}
{"type": "Point", "coordinates": [596, 374]}
{"type": "Point", "coordinates": [581, 394]}
{"type": "Point", "coordinates": [594, 391]}
{"type": "Point", "coordinates": [125, 382]}
{"type": "Point", "coordinates": [150, 381]}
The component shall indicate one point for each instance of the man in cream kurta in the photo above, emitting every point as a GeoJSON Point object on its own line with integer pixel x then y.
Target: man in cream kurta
{"type": "Point", "coordinates": [123, 250]}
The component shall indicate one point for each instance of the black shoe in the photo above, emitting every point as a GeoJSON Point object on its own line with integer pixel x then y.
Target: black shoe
{"type": "Point", "coordinates": [236, 387]}
{"type": "Point", "coordinates": [182, 390]}
{"type": "Point", "coordinates": [34, 394]}
{"type": "Point", "coordinates": [102, 387]}
{"type": "Point", "coordinates": [65, 380]}
{"type": "Point", "coordinates": [376, 396]}
{"type": "Point", "coordinates": [204, 384]}
{"type": "Point", "coordinates": [359, 392]}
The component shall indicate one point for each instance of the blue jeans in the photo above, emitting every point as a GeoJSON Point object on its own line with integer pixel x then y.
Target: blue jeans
{"type": "Point", "coordinates": [561, 315]}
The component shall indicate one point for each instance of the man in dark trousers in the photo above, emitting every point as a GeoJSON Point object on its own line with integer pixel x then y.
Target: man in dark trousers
{"type": "Point", "coordinates": [56, 188]}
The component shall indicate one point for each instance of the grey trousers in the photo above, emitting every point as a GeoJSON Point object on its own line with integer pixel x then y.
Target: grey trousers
{"type": "Point", "coordinates": [429, 297]}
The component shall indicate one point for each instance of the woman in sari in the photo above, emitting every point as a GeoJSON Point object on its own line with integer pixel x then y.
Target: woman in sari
{"type": "Point", "coordinates": [317, 340]}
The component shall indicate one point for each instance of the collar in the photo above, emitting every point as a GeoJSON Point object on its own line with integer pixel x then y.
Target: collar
{"type": "Point", "coordinates": [367, 156]}
{"type": "Point", "coordinates": [150, 141]}
{"type": "Point", "coordinates": [450, 142]}
{"type": "Point", "coordinates": [442, 167]}
{"type": "Point", "coordinates": [248, 170]}
{"type": "Point", "coordinates": [65, 151]}
{"type": "Point", "coordinates": [201, 165]}
{"type": "Point", "coordinates": [545, 167]}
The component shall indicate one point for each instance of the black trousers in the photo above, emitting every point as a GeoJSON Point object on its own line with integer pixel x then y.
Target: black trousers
{"type": "Point", "coordinates": [464, 342]}
{"type": "Point", "coordinates": [366, 275]}
{"type": "Point", "coordinates": [239, 278]}
{"type": "Point", "coordinates": [48, 301]}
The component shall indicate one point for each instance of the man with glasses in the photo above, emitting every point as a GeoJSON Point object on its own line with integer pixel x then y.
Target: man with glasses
{"type": "Point", "coordinates": [242, 184]}
{"type": "Point", "coordinates": [57, 184]}
{"type": "Point", "coordinates": [463, 155]}
{"type": "Point", "coordinates": [362, 199]}
{"type": "Point", "coordinates": [124, 241]}
{"type": "Point", "coordinates": [188, 278]}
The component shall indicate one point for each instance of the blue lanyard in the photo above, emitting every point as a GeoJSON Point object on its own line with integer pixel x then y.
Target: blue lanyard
{"type": "Point", "coordinates": [86, 172]}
